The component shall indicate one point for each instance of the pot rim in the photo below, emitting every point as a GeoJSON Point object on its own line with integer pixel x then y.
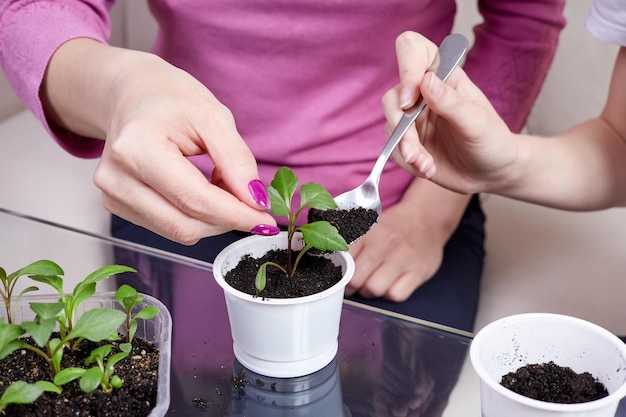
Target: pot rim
{"type": "Point", "coordinates": [485, 332]}
{"type": "Point", "coordinates": [345, 257]}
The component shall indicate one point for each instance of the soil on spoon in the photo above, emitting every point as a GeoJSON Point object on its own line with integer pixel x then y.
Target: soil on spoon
{"type": "Point", "coordinates": [553, 383]}
{"type": "Point", "coordinates": [314, 274]}
{"type": "Point", "coordinates": [351, 224]}
{"type": "Point", "coordinates": [136, 397]}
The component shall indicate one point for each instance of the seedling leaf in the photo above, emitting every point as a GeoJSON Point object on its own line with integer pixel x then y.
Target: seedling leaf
{"type": "Point", "coordinates": [20, 392]}
{"type": "Point", "coordinates": [91, 379]}
{"type": "Point", "coordinates": [68, 375]}
{"type": "Point", "coordinates": [315, 195]}
{"type": "Point", "coordinates": [323, 236]}
{"type": "Point", "coordinates": [46, 310]}
{"type": "Point", "coordinates": [97, 324]}
{"type": "Point", "coordinates": [40, 329]}
{"type": "Point", "coordinates": [147, 313]}
{"type": "Point", "coordinates": [281, 191]}
{"type": "Point", "coordinates": [261, 277]}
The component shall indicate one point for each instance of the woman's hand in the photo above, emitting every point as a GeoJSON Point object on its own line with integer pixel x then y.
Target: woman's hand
{"type": "Point", "coordinates": [154, 117]}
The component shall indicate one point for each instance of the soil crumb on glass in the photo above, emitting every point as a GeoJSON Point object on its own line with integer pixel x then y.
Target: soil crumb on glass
{"type": "Point", "coordinates": [553, 383]}
{"type": "Point", "coordinates": [351, 224]}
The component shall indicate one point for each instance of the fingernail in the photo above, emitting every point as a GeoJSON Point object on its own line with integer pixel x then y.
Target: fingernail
{"type": "Point", "coordinates": [406, 97]}
{"type": "Point", "coordinates": [259, 193]}
{"type": "Point", "coordinates": [265, 230]}
{"type": "Point", "coordinates": [435, 85]}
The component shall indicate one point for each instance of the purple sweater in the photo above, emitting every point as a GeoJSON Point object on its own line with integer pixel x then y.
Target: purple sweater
{"type": "Point", "coordinates": [303, 78]}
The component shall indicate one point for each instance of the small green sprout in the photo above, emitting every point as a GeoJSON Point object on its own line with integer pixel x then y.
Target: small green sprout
{"type": "Point", "coordinates": [103, 374]}
{"type": "Point", "coordinates": [82, 291]}
{"type": "Point", "coordinates": [21, 392]}
{"type": "Point", "coordinates": [320, 234]}
{"type": "Point", "coordinates": [129, 298]}
{"type": "Point", "coordinates": [95, 325]}
{"type": "Point", "coordinates": [8, 281]}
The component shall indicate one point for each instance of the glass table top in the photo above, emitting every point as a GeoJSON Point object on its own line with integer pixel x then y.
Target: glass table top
{"type": "Point", "coordinates": [387, 364]}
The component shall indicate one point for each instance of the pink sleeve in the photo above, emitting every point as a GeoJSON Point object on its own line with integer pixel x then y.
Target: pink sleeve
{"type": "Point", "coordinates": [513, 50]}
{"type": "Point", "coordinates": [30, 33]}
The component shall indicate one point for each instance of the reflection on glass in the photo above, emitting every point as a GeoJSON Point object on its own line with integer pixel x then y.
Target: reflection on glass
{"type": "Point", "coordinates": [317, 394]}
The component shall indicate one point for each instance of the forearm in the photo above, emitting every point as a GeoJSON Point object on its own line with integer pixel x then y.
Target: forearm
{"type": "Point", "coordinates": [82, 82]}
{"type": "Point", "coordinates": [581, 169]}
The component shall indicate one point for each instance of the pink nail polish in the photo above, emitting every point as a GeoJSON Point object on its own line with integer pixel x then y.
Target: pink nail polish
{"type": "Point", "coordinates": [259, 193]}
{"type": "Point", "coordinates": [265, 230]}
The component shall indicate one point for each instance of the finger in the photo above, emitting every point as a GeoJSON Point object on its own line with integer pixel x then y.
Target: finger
{"type": "Point", "coordinates": [415, 55]}
{"type": "Point", "coordinates": [183, 196]}
{"type": "Point", "coordinates": [410, 153]}
{"type": "Point", "coordinates": [234, 162]}
{"type": "Point", "coordinates": [163, 218]}
{"type": "Point", "coordinates": [372, 273]}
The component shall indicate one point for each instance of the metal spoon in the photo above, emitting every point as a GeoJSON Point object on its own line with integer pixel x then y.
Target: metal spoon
{"type": "Point", "coordinates": [366, 195]}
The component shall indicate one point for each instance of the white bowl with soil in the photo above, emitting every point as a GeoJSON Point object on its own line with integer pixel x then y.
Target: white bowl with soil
{"type": "Point", "coordinates": [283, 337]}
{"type": "Point", "coordinates": [544, 340]}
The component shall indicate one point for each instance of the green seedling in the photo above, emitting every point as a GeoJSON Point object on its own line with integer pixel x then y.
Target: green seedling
{"type": "Point", "coordinates": [102, 374]}
{"type": "Point", "coordinates": [320, 234]}
{"type": "Point", "coordinates": [82, 291]}
{"type": "Point", "coordinates": [129, 298]}
{"type": "Point", "coordinates": [21, 392]}
{"type": "Point", "coordinates": [95, 325]}
{"type": "Point", "coordinates": [8, 281]}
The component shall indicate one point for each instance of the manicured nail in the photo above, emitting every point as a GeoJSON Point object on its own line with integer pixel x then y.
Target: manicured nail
{"type": "Point", "coordinates": [406, 97]}
{"type": "Point", "coordinates": [435, 85]}
{"type": "Point", "coordinates": [265, 230]}
{"type": "Point", "coordinates": [259, 193]}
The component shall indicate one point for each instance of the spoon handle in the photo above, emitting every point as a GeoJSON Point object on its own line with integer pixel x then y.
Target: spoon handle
{"type": "Point", "coordinates": [451, 51]}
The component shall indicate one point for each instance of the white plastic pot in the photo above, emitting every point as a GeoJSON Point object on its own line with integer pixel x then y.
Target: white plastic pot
{"type": "Point", "coordinates": [512, 342]}
{"type": "Point", "coordinates": [282, 337]}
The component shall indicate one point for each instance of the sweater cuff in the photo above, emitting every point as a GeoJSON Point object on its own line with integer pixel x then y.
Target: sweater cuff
{"type": "Point", "coordinates": [31, 34]}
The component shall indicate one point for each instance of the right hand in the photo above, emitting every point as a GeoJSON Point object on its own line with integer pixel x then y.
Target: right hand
{"type": "Point", "coordinates": [462, 144]}
{"type": "Point", "coordinates": [157, 116]}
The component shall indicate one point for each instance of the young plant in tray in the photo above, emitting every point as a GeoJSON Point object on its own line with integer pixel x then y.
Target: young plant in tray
{"type": "Point", "coordinates": [8, 281]}
{"type": "Point", "coordinates": [96, 325]}
{"type": "Point", "coordinates": [320, 235]}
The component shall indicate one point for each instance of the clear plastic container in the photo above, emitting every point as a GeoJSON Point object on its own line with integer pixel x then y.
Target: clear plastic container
{"type": "Point", "coordinates": [157, 330]}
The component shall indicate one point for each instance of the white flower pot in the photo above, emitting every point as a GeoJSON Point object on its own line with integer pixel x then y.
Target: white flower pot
{"type": "Point", "coordinates": [282, 337]}
{"type": "Point", "coordinates": [512, 342]}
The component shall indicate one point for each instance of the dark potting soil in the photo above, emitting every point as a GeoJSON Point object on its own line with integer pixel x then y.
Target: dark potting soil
{"type": "Point", "coordinates": [553, 383]}
{"type": "Point", "coordinates": [314, 274]}
{"type": "Point", "coordinates": [351, 224]}
{"type": "Point", "coordinates": [136, 397]}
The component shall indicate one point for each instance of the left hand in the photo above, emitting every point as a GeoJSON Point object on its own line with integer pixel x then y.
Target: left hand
{"type": "Point", "coordinates": [396, 256]}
